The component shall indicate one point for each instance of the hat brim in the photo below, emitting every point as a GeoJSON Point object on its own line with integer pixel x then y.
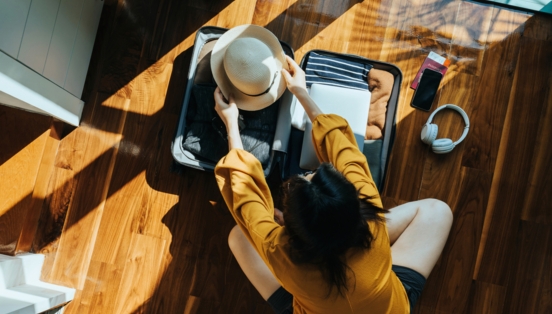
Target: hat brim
{"type": "Point", "coordinates": [243, 101]}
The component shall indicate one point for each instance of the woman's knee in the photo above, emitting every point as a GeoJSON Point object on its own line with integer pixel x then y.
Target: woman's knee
{"type": "Point", "coordinates": [436, 211]}
{"type": "Point", "coordinates": [234, 238]}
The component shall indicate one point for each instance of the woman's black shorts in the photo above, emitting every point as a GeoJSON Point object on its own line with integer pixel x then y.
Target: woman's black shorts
{"type": "Point", "coordinates": [281, 301]}
{"type": "Point", "coordinates": [412, 281]}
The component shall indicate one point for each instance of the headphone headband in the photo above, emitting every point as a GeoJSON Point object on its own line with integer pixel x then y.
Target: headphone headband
{"type": "Point", "coordinates": [461, 112]}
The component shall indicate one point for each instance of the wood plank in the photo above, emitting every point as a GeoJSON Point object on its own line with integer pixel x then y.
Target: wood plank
{"type": "Point", "coordinates": [192, 264]}
{"type": "Point", "coordinates": [421, 309]}
{"type": "Point", "coordinates": [242, 297]}
{"type": "Point", "coordinates": [52, 218]}
{"type": "Point", "coordinates": [233, 14]}
{"type": "Point", "coordinates": [67, 164]}
{"type": "Point", "coordinates": [105, 293]}
{"type": "Point", "coordinates": [545, 301]}
{"type": "Point", "coordinates": [338, 31]}
{"type": "Point", "coordinates": [84, 215]}
{"type": "Point", "coordinates": [130, 174]}
{"type": "Point", "coordinates": [274, 13]}
{"type": "Point", "coordinates": [540, 174]}
{"type": "Point", "coordinates": [236, 13]}
{"type": "Point", "coordinates": [389, 202]}
{"type": "Point", "coordinates": [431, 30]}
{"type": "Point", "coordinates": [178, 20]}
{"type": "Point", "coordinates": [538, 26]}
{"type": "Point", "coordinates": [40, 191]}
{"type": "Point", "coordinates": [370, 20]}
{"type": "Point", "coordinates": [119, 64]}
{"type": "Point", "coordinates": [493, 93]}
{"type": "Point", "coordinates": [469, 37]}
{"type": "Point", "coordinates": [18, 129]}
{"type": "Point", "coordinates": [515, 156]}
{"type": "Point", "coordinates": [448, 287]}
{"type": "Point", "coordinates": [141, 272]}
{"type": "Point", "coordinates": [530, 273]}
{"type": "Point", "coordinates": [86, 293]}
{"type": "Point", "coordinates": [23, 138]}
{"type": "Point", "coordinates": [326, 29]}
{"type": "Point", "coordinates": [486, 298]}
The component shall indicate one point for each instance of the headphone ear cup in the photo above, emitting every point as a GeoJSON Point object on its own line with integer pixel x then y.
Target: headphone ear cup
{"type": "Point", "coordinates": [442, 146]}
{"type": "Point", "coordinates": [429, 133]}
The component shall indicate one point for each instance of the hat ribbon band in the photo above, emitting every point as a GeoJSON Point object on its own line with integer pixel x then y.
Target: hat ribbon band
{"type": "Point", "coordinates": [268, 89]}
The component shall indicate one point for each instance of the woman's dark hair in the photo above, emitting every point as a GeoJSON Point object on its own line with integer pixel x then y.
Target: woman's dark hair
{"type": "Point", "coordinates": [324, 217]}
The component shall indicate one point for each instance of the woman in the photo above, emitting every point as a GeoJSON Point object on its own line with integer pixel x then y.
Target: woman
{"type": "Point", "coordinates": [338, 251]}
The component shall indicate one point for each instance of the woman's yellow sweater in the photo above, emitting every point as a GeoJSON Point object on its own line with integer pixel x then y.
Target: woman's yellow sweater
{"type": "Point", "coordinates": [376, 287]}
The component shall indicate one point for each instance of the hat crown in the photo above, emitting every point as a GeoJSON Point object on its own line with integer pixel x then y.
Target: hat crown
{"type": "Point", "coordinates": [249, 65]}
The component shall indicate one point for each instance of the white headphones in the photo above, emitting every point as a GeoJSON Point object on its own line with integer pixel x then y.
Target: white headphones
{"type": "Point", "coordinates": [443, 145]}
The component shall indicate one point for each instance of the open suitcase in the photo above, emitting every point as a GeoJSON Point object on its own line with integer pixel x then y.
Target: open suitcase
{"type": "Point", "coordinates": [270, 124]}
{"type": "Point", "coordinates": [283, 148]}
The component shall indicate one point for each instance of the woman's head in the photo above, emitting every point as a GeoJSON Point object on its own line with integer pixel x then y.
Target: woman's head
{"type": "Point", "coordinates": [322, 212]}
{"type": "Point", "coordinates": [324, 217]}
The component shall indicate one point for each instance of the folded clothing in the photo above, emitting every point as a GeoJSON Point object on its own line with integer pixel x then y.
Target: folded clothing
{"type": "Point", "coordinates": [205, 134]}
{"type": "Point", "coordinates": [381, 85]}
{"type": "Point", "coordinates": [336, 71]}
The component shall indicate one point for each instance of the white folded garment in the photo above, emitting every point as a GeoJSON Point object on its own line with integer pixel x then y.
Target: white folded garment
{"type": "Point", "coordinates": [298, 115]}
{"type": "Point", "coordinates": [351, 104]}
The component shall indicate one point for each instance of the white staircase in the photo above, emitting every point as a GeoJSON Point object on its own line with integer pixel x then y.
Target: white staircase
{"type": "Point", "coordinates": [21, 290]}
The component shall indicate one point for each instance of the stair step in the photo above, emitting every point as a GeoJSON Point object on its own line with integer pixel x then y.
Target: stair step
{"type": "Point", "coordinates": [11, 270]}
{"type": "Point", "coordinates": [21, 290]}
{"type": "Point", "coordinates": [15, 306]}
{"type": "Point", "coordinates": [20, 269]}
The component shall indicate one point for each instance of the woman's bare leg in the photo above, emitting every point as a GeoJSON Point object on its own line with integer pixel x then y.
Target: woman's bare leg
{"type": "Point", "coordinates": [418, 232]}
{"type": "Point", "coordinates": [252, 264]}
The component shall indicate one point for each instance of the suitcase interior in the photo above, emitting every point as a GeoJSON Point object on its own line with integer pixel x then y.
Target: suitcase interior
{"type": "Point", "coordinates": [376, 151]}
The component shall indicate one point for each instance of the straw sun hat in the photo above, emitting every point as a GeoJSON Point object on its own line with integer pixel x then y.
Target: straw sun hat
{"type": "Point", "coordinates": [247, 62]}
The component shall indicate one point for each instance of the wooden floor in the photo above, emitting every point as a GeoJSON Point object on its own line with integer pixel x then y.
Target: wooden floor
{"type": "Point", "coordinates": [117, 222]}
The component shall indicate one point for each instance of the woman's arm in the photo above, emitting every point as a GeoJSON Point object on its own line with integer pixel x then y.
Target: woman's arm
{"type": "Point", "coordinates": [228, 112]}
{"type": "Point", "coordinates": [335, 143]}
{"type": "Point", "coordinates": [296, 83]}
{"type": "Point", "coordinates": [333, 139]}
{"type": "Point", "coordinates": [241, 181]}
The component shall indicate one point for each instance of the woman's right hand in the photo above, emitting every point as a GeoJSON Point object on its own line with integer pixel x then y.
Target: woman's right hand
{"type": "Point", "coordinates": [297, 84]}
{"type": "Point", "coordinates": [295, 77]}
{"type": "Point", "coordinates": [278, 216]}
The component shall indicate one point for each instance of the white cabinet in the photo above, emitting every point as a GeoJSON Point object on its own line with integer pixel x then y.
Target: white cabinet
{"type": "Point", "coordinates": [54, 39]}
{"type": "Point", "coordinates": [13, 16]}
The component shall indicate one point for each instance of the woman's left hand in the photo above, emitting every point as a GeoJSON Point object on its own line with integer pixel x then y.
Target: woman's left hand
{"type": "Point", "coordinates": [229, 114]}
{"type": "Point", "coordinates": [228, 111]}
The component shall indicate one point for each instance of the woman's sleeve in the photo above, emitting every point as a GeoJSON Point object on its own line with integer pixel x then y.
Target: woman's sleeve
{"type": "Point", "coordinates": [335, 143]}
{"type": "Point", "coordinates": [243, 186]}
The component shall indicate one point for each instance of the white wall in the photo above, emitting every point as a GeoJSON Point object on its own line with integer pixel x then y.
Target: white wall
{"type": "Point", "coordinates": [54, 39]}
